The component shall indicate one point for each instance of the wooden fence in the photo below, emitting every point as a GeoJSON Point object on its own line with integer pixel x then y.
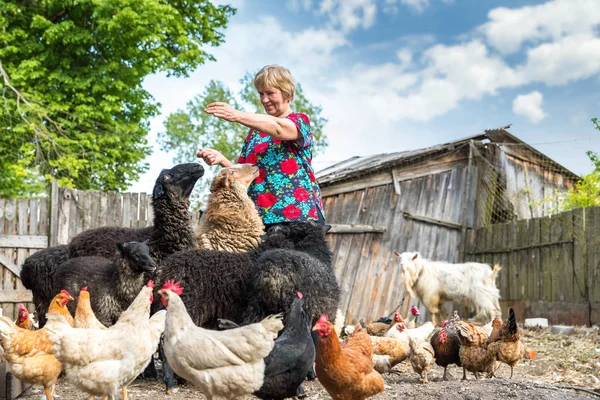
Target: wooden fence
{"type": "Point", "coordinates": [28, 225]}
{"type": "Point", "coordinates": [551, 265]}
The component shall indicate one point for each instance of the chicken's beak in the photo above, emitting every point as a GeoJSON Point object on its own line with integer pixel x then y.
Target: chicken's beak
{"type": "Point", "coordinates": [160, 292]}
{"type": "Point", "coordinates": [71, 298]}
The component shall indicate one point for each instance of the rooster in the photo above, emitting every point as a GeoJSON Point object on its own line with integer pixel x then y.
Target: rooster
{"type": "Point", "coordinates": [224, 364]}
{"type": "Point", "coordinates": [446, 345]}
{"type": "Point", "coordinates": [99, 362]}
{"type": "Point", "coordinates": [346, 370]}
{"type": "Point", "coordinates": [508, 348]}
{"type": "Point", "coordinates": [25, 320]}
{"type": "Point", "coordinates": [29, 353]}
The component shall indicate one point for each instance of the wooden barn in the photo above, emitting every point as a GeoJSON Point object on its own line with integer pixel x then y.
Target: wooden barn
{"type": "Point", "coordinates": [427, 200]}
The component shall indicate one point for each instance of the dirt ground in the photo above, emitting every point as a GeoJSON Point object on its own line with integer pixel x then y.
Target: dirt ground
{"type": "Point", "coordinates": [561, 361]}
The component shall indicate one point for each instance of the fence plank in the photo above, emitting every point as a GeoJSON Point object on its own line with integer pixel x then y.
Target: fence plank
{"type": "Point", "coordinates": [566, 272]}
{"type": "Point", "coordinates": [64, 213]}
{"type": "Point", "coordinates": [593, 252]}
{"type": "Point", "coordinates": [535, 285]}
{"type": "Point", "coordinates": [546, 260]}
{"type": "Point", "coordinates": [102, 204]}
{"type": "Point", "coordinates": [522, 259]}
{"type": "Point", "coordinates": [43, 219]}
{"type": "Point", "coordinates": [24, 241]}
{"type": "Point", "coordinates": [126, 216]}
{"type": "Point", "coordinates": [580, 282]}
{"type": "Point", "coordinates": [11, 270]}
{"type": "Point", "coordinates": [16, 296]}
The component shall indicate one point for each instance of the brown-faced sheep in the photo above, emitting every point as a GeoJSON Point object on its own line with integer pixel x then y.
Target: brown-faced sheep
{"type": "Point", "coordinates": [231, 221]}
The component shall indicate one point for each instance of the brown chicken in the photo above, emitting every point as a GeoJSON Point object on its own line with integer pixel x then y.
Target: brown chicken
{"type": "Point", "coordinates": [509, 349]}
{"type": "Point", "coordinates": [381, 328]}
{"type": "Point", "coordinates": [422, 358]}
{"type": "Point", "coordinates": [25, 319]}
{"type": "Point", "coordinates": [29, 353]}
{"type": "Point", "coordinates": [84, 315]}
{"type": "Point", "coordinates": [388, 352]}
{"type": "Point", "coordinates": [474, 354]}
{"type": "Point", "coordinates": [446, 345]}
{"type": "Point", "coordinates": [346, 370]}
{"type": "Point", "coordinates": [496, 333]}
{"type": "Point", "coordinates": [58, 306]}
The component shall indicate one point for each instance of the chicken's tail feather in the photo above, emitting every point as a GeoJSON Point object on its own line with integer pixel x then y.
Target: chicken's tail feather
{"type": "Point", "coordinates": [373, 384]}
{"type": "Point", "coordinates": [512, 321]}
{"type": "Point", "coordinates": [6, 325]}
{"type": "Point", "coordinates": [273, 323]}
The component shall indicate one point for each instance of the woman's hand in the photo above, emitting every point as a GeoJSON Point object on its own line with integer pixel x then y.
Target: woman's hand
{"type": "Point", "coordinates": [223, 111]}
{"type": "Point", "coordinates": [213, 157]}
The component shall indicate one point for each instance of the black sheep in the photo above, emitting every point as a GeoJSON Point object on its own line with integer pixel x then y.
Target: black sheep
{"type": "Point", "coordinates": [279, 274]}
{"type": "Point", "coordinates": [223, 284]}
{"type": "Point", "coordinates": [171, 232]}
{"type": "Point", "coordinates": [112, 285]}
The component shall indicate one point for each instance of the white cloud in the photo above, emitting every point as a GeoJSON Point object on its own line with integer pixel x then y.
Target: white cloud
{"type": "Point", "coordinates": [418, 6]}
{"type": "Point", "coordinates": [350, 14]}
{"type": "Point", "coordinates": [530, 106]}
{"type": "Point", "coordinates": [571, 58]}
{"type": "Point", "coordinates": [509, 28]}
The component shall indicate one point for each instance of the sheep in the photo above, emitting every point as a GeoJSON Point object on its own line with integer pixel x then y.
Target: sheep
{"type": "Point", "coordinates": [221, 284]}
{"type": "Point", "coordinates": [280, 273]}
{"type": "Point", "coordinates": [433, 282]}
{"type": "Point", "coordinates": [171, 232]}
{"type": "Point", "coordinates": [112, 285]}
{"type": "Point", "coordinates": [231, 221]}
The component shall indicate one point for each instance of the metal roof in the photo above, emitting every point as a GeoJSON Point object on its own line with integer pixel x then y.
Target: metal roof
{"type": "Point", "coordinates": [356, 165]}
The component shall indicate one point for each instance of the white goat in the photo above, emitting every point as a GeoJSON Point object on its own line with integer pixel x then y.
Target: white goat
{"type": "Point", "coordinates": [433, 282]}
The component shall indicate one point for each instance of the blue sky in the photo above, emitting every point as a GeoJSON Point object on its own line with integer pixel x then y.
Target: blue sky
{"type": "Point", "coordinates": [395, 75]}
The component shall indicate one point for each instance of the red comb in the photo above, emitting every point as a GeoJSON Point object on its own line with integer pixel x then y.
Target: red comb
{"type": "Point", "coordinates": [150, 283]}
{"type": "Point", "coordinates": [300, 295]}
{"type": "Point", "coordinates": [65, 293]}
{"type": "Point", "coordinates": [173, 287]}
{"type": "Point", "coordinates": [323, 318]}
{"type": "Point", "coordinates": [84, 289]}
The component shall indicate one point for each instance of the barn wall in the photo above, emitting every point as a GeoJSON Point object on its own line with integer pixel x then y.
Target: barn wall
{"type": "Point", "coordinates": [364, 263]}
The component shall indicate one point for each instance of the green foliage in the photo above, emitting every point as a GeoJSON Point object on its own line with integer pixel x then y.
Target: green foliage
{"type": "Point", "coordinates": [187, 131]}
{"type": "Point", "coordinates": [73, 108]}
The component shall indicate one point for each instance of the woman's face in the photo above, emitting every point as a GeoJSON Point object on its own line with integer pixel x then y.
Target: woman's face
{"type": "Point", "coordinates": [273, 101]}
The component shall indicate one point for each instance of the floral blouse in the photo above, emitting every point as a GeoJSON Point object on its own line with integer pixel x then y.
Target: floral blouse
{"type": "Point", "coordinates": [286, 189]}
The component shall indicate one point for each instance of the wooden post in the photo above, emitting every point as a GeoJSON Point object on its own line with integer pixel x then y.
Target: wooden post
{"type": "Point", "coordinates": [465, 208]}
{"type": "Point", "coordinates": [53, 226]}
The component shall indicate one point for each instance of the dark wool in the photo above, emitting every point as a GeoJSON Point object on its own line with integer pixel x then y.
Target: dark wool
{"type": "Point", "coordinates": [112, 285]}
{"type": "Point", "coordinates": [279, 274]}
{"type": "Point", "coordinates": [36, 275]}
{"type": "Point", "coordinates": [171, 232]}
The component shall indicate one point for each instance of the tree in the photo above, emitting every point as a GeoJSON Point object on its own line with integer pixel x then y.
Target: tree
{"type": "Point", "coordinates": [587, 191]}
{"type": "Point", "coordinates": [187, 131]}
{"type": "Point", "coordinates": [73, 106]}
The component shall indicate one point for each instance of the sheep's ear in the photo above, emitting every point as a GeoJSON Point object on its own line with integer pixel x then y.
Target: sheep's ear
{"type": "Point", "coordinates": [121, 249]}
{"type": "Point", "coordinates": [415, 256]}
{"type": "Point", "coordinates": [221, 181]}
{"type": "Point", "coordinates": [158, 191]}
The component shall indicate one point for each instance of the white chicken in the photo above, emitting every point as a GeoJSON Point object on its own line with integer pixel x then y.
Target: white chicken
{"type": "Point", "coordinates": [223, 364]}
{"type": "Point", "coordinates": [419, 335]}
{"type": "Point", "coordinates": [99, 362]}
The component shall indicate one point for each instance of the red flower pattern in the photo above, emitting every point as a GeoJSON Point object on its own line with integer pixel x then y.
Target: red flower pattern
{"type": "Point", "coordinates": [313, 213]}
{"type": "Point", "coordinates": [292, 212]}
{"type": "Point", "coordinates": [301, 194]}
{"type": "Point", "coordinates": [251, 159]}
{"type": "Point", "coordinates": [266, 200]}
{"type": "Point", "coordinates": [262, 175]}
{"type": "Point", "coordinates": [289, 166]}
{"type": "Point", "coordinates": [261, 148]}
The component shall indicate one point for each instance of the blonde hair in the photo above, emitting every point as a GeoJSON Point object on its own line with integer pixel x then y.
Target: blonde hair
{"type": "Point", "coordinates": [276, 76]}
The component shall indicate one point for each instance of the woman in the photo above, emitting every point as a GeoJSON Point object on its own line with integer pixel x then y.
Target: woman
{"type": "Point", "coordinates": [280, 144]}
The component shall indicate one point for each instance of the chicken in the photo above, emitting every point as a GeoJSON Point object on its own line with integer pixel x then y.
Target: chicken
{"type": "Point", "coordinates": [419, 335]}
{"type": "Point", "coordinates": [99, 362]}
{"type": "Point", "coordinates": [474, 354]}
{"type": "Point", "coordinates": [509, 349]}
{"type": "Point", "coordinates": [496, 332]}
{"type": "Point", "coordinates": [422, 358]}
{"type": "Point", "coordinates": [387, 353]}
{"type": "Point", "coordinates": [411, 319]}
{"type": "Point", "coordinates": [29, 353]}
{"type": "Point", "coordinates": [84, 315]}
{"type": "Point", "coordinates": [224, 364]}
{"type": "Point", "coordinates": [25, 319]}
{"type": "Point", "coordinates": [446, 345]}
{"type": "Point", "coordinates": [380, 328]}
{"type": "Point", "coordinates": [292, 357]}
{"type": "Point", "coordinates": [346, 370]}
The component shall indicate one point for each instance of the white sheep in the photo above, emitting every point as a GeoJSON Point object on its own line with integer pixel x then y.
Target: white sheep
{"type": "Point", "coordinates": [433, 282]}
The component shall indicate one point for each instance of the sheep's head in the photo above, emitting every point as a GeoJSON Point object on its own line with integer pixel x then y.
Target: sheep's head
{"type": "Point", "coordinates": [137, 256]}
{"type": "Point", "coordinates": [177, 182]}
{"type": "Point", "coordinates": [243, 174]}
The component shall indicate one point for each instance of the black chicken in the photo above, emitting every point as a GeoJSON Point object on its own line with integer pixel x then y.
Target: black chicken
{"type": "Point", "coordinates": [292, 358]}
{"type": "Point", "coordinates": [446, 345]}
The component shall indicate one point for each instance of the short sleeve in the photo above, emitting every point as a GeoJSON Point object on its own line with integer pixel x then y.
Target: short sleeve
{"type": "Point", "coordinates": [303, 125]}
